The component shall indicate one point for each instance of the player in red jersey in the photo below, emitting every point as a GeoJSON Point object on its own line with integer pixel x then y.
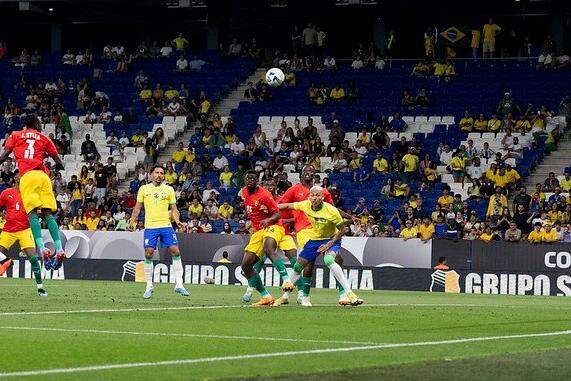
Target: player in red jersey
{"type": "Point", "coordinates": [30, 148]}
{"type": "Point", "coordinates": [300, 192]}
{"type": "Point", "coordinates": [286, 244]}
{"type": "Point", "coordinates": [263, 211]}
{"type": "Point", "coordinates": [15, 230]}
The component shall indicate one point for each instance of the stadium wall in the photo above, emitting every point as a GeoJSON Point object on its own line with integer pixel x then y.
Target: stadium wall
{"type": "Point", "coordinates": [370, 263]}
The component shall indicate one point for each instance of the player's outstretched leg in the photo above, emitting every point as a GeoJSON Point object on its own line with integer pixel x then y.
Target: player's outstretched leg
{"type": "Point", "coordinates": [250, 290]}
{"type": "Point", "coordinates": [270, 246]}
{"type": "Point", "coordinates": [284, 299]}
{"type": "Point", "coordinates": [306, 282]}
{"type": "Point", "coordinates": [149, 251]}
{"type": "Point", "coordinates": [54, 233]}
{"type": "Point", "coordinates": [37, 234]}
{"type": "Point", "coordinates": [36, 270]}
{"type": "Point", "coordinates": [178, 271]}
{"type": "Point", "coordinates": [5, 262]}
{"type": "Point", "coordinates": [254, 279]}
{"type": "Point", "coordinates": [351, 298]}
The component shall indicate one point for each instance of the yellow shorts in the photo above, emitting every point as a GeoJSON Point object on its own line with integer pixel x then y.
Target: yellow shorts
{"type": "Point", "coordinates": [37, 192]}
{"type": "Point", "coordinates": [286, 243]}
{"type": "Point", "coordinates": [256, 244]}
{"type": "Point", "coordinates": [489, 46]}
{"type": "Point", "coordinates": [23, 237]}
{"type": "Point", "coordinates": [303, 236]}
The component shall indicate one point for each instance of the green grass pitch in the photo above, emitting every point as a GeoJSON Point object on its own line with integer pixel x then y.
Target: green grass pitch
{"type": "Point", "coordinates": [110, 333]}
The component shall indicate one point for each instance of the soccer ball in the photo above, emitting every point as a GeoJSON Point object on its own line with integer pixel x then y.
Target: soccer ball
{"type": "Point", "coordinates": [274, 77]}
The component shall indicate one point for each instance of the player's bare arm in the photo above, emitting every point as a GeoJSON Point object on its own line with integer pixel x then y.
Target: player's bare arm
{"type": "Point", "coordinates": [341, 231]}
{"type": "Point", "coordinates": [135, 215]}
{"type": "Point", "coordinates": [176, 215]}
{"type": "Point", "coordinates": [286, 206]}
{"type": "Point", "coordinates": [270, 220]}
{"type": "Point", "coordinates": [5, 155]}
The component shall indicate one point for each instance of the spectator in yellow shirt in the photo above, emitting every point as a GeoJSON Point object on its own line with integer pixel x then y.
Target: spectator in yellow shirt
{"type": "Point", "coordinates": [226, 177]}
{"type": "Point", "coordinates": [180, 43]}
{"type": "Point", "coordinates": [487, 235]}
{"type": "Point", "coordinates": [565, 183]}
{"type": "Point", "coordinates": [536, 235]}
{"type": "Point", "coordinates": [512, 175]}
{"type": "Point", "coordinates": [190, 155]}
{"type": "Point", "coordinates": [445, 201]}
{"type": "Point", "coordinates": [145, 94]}
{"type": "Point", "coordinates": [522, 125]}
{"type": "Point", "coordinates": [481, 124]}
{"type": "Point", "coordinates": [195, 209]}
{"type": "Point", "coordinates": [171, 93]}
{"type": "Point", "coordinates": [226, 211]}
{"type": "Point", "coordinates": [494, 124]}
{"type": "Point", "coordinates": [92, 221]}
{"type": "Point", "coordinates": [456, 165]}
{"type": "Point", "coordinates": [467, 122]}
{"type": "Point", "coordinates": [409, 164]}
{"type": "Point", "coordinates": [549, 235]}
{"type": "Point", "coordinates": [380, 164]}
{"type": "Point", "coordinates": [498, 202]}
{"type": "Point", "coordinates": [490, 30]}
{"type": "Point", "coordinates": [337, 93]}
{"type": "Point", "coordinates": [179, 154]}
{"type": "Point", "coordinates": [475, 43]}
{"type": "Point", "coordinates": [426, 230]}
{"type": "Point", "coordinates": [409, 231]}
{"type": "Point", "coordinates": [171, 176]}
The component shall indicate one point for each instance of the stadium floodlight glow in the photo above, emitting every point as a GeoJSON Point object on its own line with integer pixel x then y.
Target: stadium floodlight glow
{"type": "Point", "coordinates": [50, 9]}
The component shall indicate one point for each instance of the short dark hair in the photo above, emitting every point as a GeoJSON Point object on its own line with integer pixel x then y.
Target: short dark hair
{"type": "Point", "coordinates": [250, 172]}
{"type": "Point", "coordinates": [31, 120]}
{"type": "Point", "coordinates": [157, 166]}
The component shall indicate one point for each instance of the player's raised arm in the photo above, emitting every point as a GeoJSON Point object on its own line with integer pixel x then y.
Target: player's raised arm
{"type": "Point", "coordinates": [286, 206]}
{"type": "Point", "coordinates": [8, 147]}
{"type": "Point", "coordinates": [54, 154]}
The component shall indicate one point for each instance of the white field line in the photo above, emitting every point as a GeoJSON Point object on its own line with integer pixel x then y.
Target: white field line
{"type": "Point", "coordinates": [143, 309]}
{"type": "Point", "coordinates": [110, 310]}
{"type": "Point", "coordinates": [182, 334]}
{"type": "Point", "coordinates": [272, 354]}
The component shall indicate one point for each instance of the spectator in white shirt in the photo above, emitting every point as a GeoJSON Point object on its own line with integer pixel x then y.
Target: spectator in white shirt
{"type": "Point", "coordinates": [237, 147]}
{"type": "Point", "coordinates": [357, 63]}
{"type": "Point", "coordinates": [475, 170]}
{"type": "Point", "coordinates": [515, 149]}
{"type": "Point", "coordinates": [545, 60]}
{"type": "Point", "coordinates": [219, 162]}
{"type": "Point", "coordinates": [445, 155]}
{"type": "Point", "coordinates": [63, 198]}
{"type": "Point", "coordinates": [196, 64]}
{"type": "Point", "coordinates": [166, 50]}
{"type": "Point", "coordinates": [209, 192]}
{"type": "Point", "coordinates": [181, 64]}
{"type": "Point", "coordinates": [107, 51]}
{"type": "Point", "coordinates": [380, 63]}
{"type": "Point", "coordinates": [68, 58]}
{"type": "Point", "coordinates": [235, 48]}
{"type": "Point", "coordinates": [105, 116]}
{"type": "Point", "coordinates": [563, 60]}
{"type": "Point", "coordinates": [124, 140]}
{"type": "Point", "coordinates": [117, 51]}
{"type": "Point", "coordinates": [329, 62]}
{"type": "Point", "coordinates": [173, 108]}
{"type": "Point", "coordinates": [50, 86]}
{"type": "Point", "coordinates": [79, 58]}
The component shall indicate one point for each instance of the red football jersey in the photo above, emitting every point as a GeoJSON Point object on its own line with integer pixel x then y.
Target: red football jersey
{"type": "Point", "coordinates": [16, 217]}
{"type": "Point", "coordinates": [297, 193]}
{"type": "Point", "coordinates": [285, 215]}
{"type": "Point", "coordinates": [30, 148]}
{"type": "Point", "coordinates": [259, 206]}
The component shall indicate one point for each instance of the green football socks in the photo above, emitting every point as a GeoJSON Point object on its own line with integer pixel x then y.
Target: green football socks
{"type": "Point", "coordinates": [54, 231]}
{"type": "Point", "coordinates": [37, 231]}
{"type": "Point", "coordinates": [36, 269]}
{"type": "Point", "coordinates": [256, 283]}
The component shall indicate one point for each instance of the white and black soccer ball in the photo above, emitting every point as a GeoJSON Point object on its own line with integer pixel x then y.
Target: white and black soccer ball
{"type": "Point", "coordinates": [274, 77]}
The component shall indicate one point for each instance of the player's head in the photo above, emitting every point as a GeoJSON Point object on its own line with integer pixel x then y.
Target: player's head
{"type": "Point", "coordinates": [307, 173]}
{"type": "Point", "coordinates": [251, 179]}
{"type": "Point", "coordinates": [316, 196]}
{"type": "Point", "coordinates": [32, 121]}
{"type": "Point", "coordinates": [158, 174]}
{"type": "Point", "coordinates": [270, 186]}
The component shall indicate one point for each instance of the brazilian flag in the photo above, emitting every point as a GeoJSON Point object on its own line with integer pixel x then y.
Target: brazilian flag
{"type": "Point", "coordinates": [455, 37]}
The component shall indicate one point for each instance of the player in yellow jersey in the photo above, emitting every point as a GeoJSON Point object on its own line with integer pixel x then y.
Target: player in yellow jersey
{"type": "Point", "coordinates": [158, 199]}
{"type": "Point", "coordinates": [327, 228]}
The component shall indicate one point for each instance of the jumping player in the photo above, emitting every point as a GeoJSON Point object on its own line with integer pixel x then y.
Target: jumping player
{"type": "Point", "coordinates": [327, 228]}
{"type": "Point", "coordinates": [30, 148]}
{"type": "Point", "coordinates": [286, 244]}
{"type": "Point", "coordinates": [17, 229]}
{"type": "Point", "coordinates": [300, 192]}
{"type": "Point", "coordinates": [158, 198]}
{"type": "Point", "coordinates": [263, 211]}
